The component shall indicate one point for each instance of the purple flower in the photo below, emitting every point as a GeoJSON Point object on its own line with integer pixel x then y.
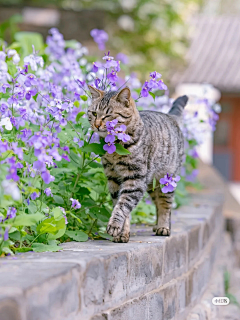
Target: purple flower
{"type": "Point", "coordinates": [110, 63]}
{"type": "Point", "coordinates": [33, 60]}
{"type": "Point", "coordinates": [64, 214]}
{"type": "Point", "coordinates": [35, 195]}
{"type": "Point", "coordinates": [111, 124]}
{"type": "Point", "coordinates": [17, 151]}
{"type": "Point", "coordinates": [96, 66]}
{"type": "Point", "coordinates": [39, 165]}
{"type": "Point", "coordinates": [5, 236]}
{"type": "Point", "coordinates": [31, 80]}
{"type": "Point", "coordinates": [144, 92]}
{"type": "Point", "coordinates": [12, 174]}
{"type": "Point", "coordinates": [66, 148]}
{"type": "Point", "coordinates": [48, 192]}
{"type": "Point", "coordinates": [4, 87]}
{"type": "Point", "coordinates": [30, 93]}
{"type": "Point", "coordinates": [64, 156]}
{"type": "Point", "coordinates": [122, 57]}
{"type": "Point", "coordinates": [75, 204]}
{"type": "Point", "coordinates": [112, 76]}
{"type": "Point", "coordinates": [192, 177]}
{"type": "Point", "coordinates": [169, 183]}
{"type": "Point", "coordinates": [11, 213]}
{"type": "Point", "coordinates": [155, 75]}
{"type": "Point", "coordinates": [47, 178]}
{"type": "Point", "coordinates": [123, 137]}
{"type": "Point", "coordinates": [3, 146]}
{"type": "Point", "coordinates": [79, 142]}
{"type": "Point", "coordinates": [110, 148]}
{"type": "Point", "coordinates": [110, 138]}
{"type": "Point", "coordinates": [97, 81]}
{"type": "Point", "coordinates": [24, 70]}
{"type": "Point", "coordinates": [100, 37]}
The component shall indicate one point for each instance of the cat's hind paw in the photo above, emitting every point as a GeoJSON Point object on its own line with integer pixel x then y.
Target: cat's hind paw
{"type": "Point", "coordinates": [163, 232]}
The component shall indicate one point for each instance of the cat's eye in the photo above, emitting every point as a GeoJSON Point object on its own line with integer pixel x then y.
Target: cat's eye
{"type": "Point", "coordinates": [106, 116]}
{"type": "Point", "coordinates": [95, 114]}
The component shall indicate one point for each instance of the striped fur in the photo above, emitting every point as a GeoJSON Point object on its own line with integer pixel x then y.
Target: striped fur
{"type": "Point", "coordinates": [156, 147]}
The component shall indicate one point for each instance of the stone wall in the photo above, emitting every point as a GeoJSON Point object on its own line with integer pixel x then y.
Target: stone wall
{"type": "Point", "coordinates": [149, 278]}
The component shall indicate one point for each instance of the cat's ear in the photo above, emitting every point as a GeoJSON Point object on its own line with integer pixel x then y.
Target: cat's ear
{"type": "Point", "coordinates": [95, 93]}
{"type": "Point", "coordinates": [124, 96]}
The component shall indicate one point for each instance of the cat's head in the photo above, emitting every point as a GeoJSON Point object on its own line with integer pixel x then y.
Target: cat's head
{"type": "Point", "coordinates": [107, 106]}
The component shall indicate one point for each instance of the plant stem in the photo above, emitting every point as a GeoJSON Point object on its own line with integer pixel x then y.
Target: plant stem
{"type": "Point", "coordinates": [92, 227]}
{"type": "Point", "coordinates": [35, 239]}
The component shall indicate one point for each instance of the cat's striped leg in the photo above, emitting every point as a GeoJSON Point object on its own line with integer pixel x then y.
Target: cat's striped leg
{"type": "Point", "coordinates": [131, 192]}
{"type": "Point", "coordinates": [125, 233]}
{"type": "Point", "coordinates": [163, 203]}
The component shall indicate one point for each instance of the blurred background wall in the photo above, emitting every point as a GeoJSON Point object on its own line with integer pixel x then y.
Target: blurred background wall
{"type": "Point", "coordinates": [188, 41]}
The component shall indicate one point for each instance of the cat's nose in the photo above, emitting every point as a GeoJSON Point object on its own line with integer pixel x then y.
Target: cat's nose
{"type": "Point", "coordinates": [98, 123]}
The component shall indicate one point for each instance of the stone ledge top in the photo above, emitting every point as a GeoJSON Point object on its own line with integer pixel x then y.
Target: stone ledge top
{"type": "Point", "coordinates": [87, 278]}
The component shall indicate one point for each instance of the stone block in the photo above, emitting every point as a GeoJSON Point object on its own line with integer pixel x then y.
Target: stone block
{"type": "Point", "coordinates": [175, 257]}
{"type": "Point", "coordinates": [193, 244]}
{"type": "Point", "coordinates": [10, 310]}
{"type": "Point", "coordinates": [145, 268]}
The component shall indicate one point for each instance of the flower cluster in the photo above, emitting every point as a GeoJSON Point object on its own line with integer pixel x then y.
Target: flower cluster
{"type": "Point", "coordinates": [100, 37]}
{"type": "Point", "coordinates": [155, 83]}
{"type": "Point", "coordinates": [114, 134]}
{"type": "Point", "coordinates": [169, 183]}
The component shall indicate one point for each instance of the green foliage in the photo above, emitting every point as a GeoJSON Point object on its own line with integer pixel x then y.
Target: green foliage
{"type": "Point", "coordinates": [231, 297]}
{"type": "Point", "coordinates": [27, 39]}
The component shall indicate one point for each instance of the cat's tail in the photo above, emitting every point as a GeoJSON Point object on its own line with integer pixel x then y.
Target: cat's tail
{"type": "Point", "coordinates": [178, 106]}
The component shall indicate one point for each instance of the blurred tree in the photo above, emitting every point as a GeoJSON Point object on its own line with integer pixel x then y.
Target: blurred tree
{"type": "Point", "coordinates": [152, 32]}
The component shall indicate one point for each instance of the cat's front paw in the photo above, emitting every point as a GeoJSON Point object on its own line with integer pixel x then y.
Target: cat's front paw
{"type": "Point", "coordinates": [163, 232]}
{"type": "Point", "coordinates": [114, 227]}
{"type": "Point", "coordinates": [123, 237]}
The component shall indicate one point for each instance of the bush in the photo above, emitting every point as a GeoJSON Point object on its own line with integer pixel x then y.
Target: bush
{"type": "Point", "coordinates": [52, 185]}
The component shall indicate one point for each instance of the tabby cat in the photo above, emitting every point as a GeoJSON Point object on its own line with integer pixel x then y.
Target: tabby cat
{"type": "Point", "coordinates": [156, 147]}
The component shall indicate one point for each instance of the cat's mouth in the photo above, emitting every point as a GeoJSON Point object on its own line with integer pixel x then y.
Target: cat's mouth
{"type": "Point", "coordinates": [102, 132]}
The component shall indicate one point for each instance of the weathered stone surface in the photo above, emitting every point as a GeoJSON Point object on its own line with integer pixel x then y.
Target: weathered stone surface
{"type": "Point", "coordinates": [149, 278]}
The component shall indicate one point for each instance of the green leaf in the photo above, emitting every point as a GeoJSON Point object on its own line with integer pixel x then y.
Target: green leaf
{"type": "Point", "coordinates": [27, 39]}
{"type": "Point", "coordinates": [15, 235]}
{"type": "Point", "coordinates": [22, 249]}
{"type": "Point", "coordinates": [7, 250]}
{"type": "Point", "coordinates": [76, 104]}
{"type": "Point", "coordinates": [12, 70]}
{"type": "Point", "coordinates": [74, 216]}
{"type": "Point", "coordinates": [105, 236]}
{"type": "Point", "coordinates": [95, 165]}
{"type": "Point", "coordinates": [59, 234]}
{"type": "Point", "coordinates": [85, 124]}
{"type": "Point", "coordinates": [154, 183]}
{"type": "Point", "coordinates": [40, 247]}
{"type": "Point", "coordinates": [153, 95]}
{"type": "Point", "coordinates": [51, 225]}
{"type": "Point", "coordinates": [79, 115]}
{"type": "Point", "coordinates": [94, 147]}
{"type": "Point", "coordinates": [32, 208]}
{"type": "Point", "coordinates": [84, 97]}
{"type": "Point", "coordinates": [57, 214]}
{"type": "Point", "coordinates": [121, 150]}
{"type": "Point", "coordinates": [77, 235]}
{"type": "Point", "coordinates": [28, 219]}
{"type": "Point", "coordinates": [57, 171]}
{"type": "Point", "coordinates": [58, 199]}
